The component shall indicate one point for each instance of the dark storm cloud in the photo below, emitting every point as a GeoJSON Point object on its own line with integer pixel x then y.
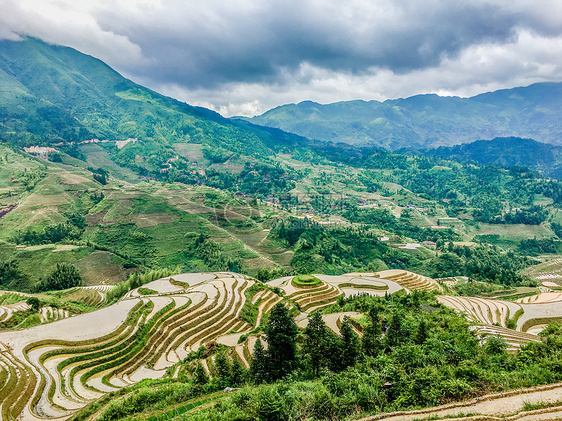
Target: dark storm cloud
{"type": "Point", "coordinates": [213, 45]}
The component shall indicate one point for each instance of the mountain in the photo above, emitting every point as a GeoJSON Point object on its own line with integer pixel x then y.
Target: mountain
{"type": "Point", "coordinates": [51, 94]}
{"type": "Point", "coordinates": [424, 121]}
{"type": "Point", "coordinates": [506, 151]}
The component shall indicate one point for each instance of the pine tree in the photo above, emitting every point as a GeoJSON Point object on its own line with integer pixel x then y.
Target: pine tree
{"type": "Point", "coordinates": [237, 372]}
{"type": "Point", "coordinates": [258, 365]}
{"type": "Point", "coordinates": [316, 342]}
{"type": "Point", "coordinates": [396, 333]}
{"type": "Point", "coordinates": [64, 276]}
{"type": "Point", "coordinates": [350, 344]}
{"type": "Point", "coordinates": [200, 375]}
{"type": "Point", "coordinates": [280, 334]}
{"type": "Point", "coordinates": [371, 341]}
{"type": "Point", "coordinates": [222, 366]}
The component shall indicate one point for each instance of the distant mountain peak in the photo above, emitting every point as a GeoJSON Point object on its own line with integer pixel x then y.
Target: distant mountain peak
{"type": "Point", "coordinates": [428, 120]}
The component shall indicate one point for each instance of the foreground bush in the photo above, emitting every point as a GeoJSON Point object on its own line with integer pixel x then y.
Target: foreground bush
{"type": "Point", "coordinates": [64, 276]}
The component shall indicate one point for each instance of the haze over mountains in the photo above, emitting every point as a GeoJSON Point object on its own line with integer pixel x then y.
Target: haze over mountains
{"type": "Point", "coordinates": [428, 121]}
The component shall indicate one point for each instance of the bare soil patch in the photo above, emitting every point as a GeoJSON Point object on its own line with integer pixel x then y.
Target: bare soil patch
{"type": "Point", "coordinates": [4, 210]}
{"type": "Point", "coordinates": [94, 219]}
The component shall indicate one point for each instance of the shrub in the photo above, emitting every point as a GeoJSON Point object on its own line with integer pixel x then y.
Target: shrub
{"type": "Point", "coordinates": [34, 302]}
{"type": "Point", "coordinates": [147, 291]}
{"type": "Point", "coordinates": [64, 276]}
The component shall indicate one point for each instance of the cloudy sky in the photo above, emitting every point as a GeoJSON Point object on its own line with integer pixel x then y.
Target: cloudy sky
{"type": "Point", "coordinates": [242, 57]}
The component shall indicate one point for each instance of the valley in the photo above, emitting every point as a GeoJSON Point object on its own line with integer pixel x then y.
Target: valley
{"type": "Point", "coordinates": [159, 261]}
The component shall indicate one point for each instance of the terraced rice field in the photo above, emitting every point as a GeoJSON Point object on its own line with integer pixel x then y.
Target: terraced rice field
{"type": "Point", "coordinates": [410, 280]}
{"type": "Point", "coordinates": [546, 297]}
{"type": "Point", "coordinates": [550, 271]}
{"type": "Point", "coordinates": [99, 293]}
{"type": "Point", "coordinates": [53, 370]}
{"type": "Point", "coordinates": [490, 317]}
{"type": "Point", "coordinates": [47, 314]}
{"type": "Point", "coordinates": [333, 320]}
{"type": "Point", "coordinates": [7, 311]}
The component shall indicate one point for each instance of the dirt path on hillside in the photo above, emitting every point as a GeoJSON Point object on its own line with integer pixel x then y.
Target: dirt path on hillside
{"type": "Point", "coordinates": [497, 405]}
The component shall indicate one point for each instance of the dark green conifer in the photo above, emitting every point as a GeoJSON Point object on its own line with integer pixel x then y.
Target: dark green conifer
{"type": "Point", "coordinates": [258, 365]}
{"type": "Point", "coordinates": [350, 344]}
{"type": "Point", "coordinates": [316, 342]}
{"type": "Point", "coordinates": [200, 375]}
{"type": "Point", "coordinates": [280, 334]}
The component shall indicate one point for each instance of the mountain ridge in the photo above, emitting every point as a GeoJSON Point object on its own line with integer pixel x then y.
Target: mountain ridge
{"type": "Point", "coordinates": [506, 151]}
{"type": "Point", "coordinates": [55, 94]}
{"type": "Point", "coordinates": [427, 120]}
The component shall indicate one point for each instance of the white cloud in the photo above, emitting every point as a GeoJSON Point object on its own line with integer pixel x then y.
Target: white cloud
{"type": "Point", "coordinates": [68, 23]}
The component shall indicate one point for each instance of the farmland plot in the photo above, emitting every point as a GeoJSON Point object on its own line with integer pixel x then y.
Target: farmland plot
{"type": "Point", "coordinates": [54, 370]}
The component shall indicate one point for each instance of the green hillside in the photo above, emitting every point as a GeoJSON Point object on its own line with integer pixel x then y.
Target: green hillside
{"type": "Point", "coordinates": [199, 192]}
{"type": "Point", "coordinates": [424, 121]}
{"type": "Point", "coordinates": [155, 247]}
{"type": "Point", "coordinates": [54, 95]}
{"type": "Point", "coordinates": [507, 152]}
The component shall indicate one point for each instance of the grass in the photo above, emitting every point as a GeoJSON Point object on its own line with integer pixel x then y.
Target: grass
{"type": "Point", "coordinates": [305, 281]}
{"type": "Point", "coordinates": [509, 235]}
{"type": "Point", "coordinates": [249, 311]}
{"type": "Point", "coordinates": [146, 224]}
{"type": "Point", "coordinates": [147, 291]}
{"type": "Point", "coordinates": [512, 322]}
{"type": "Point", "coordinates": [182, 409]}
{"type": "Point", "coordinates": [533, 406]}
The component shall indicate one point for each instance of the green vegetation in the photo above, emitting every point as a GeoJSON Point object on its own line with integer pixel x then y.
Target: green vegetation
{"type": "Point", "coordinates": [136, 280]}
{"type": "Point", "coordinates": [305, 281]}
{"type": "Point", "coordinates": [194, 192]}
{"type": "Point", "coordinates": [423, 373]}
{"type": "Point", "coordinates": [64, 276]}
{"type": "Point", "coordinates": [520, 154]}
{"type": "Point", "coordinates": [147, 291]}
{"type": "Point", "coordinates": [424, 121]}
{"type": "Point", "coordinates": [427, 356]}
{"type": "Point", "coordinates": [483, 263]}
{"type": "Point", "coordinates": [70, 230]}
{"type": "Point", "coordinates": [207, 191]}
{"type": "Point", "coordinates": [209, 253]}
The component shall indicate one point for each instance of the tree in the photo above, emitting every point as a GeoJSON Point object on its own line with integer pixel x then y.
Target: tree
{"type": "Point", "coordinates": [200, 375]}
{"type": "Point", "coordinates": [350, 344]}
{"type": "Point", "coordinates": [280, 334]}
{"type": "Point", "coordinates": [223, 367]}
{"type": "Point", "coordinates": [34, 302]}
{"type": "Point", "coordinates": [397, 333]}
{"type": "Point", "coordinates": [64, 276]}
{"type": "Point", "coordinates": [371, 343]}
{"type": "Point", "coordinates": [10, 274]}
{"type": "Point", "coordinates": [237, 372]}
{"type": "Point", "coordinates": [316, 342]}
{"type": "Point", "coordinates": [258, 365]}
